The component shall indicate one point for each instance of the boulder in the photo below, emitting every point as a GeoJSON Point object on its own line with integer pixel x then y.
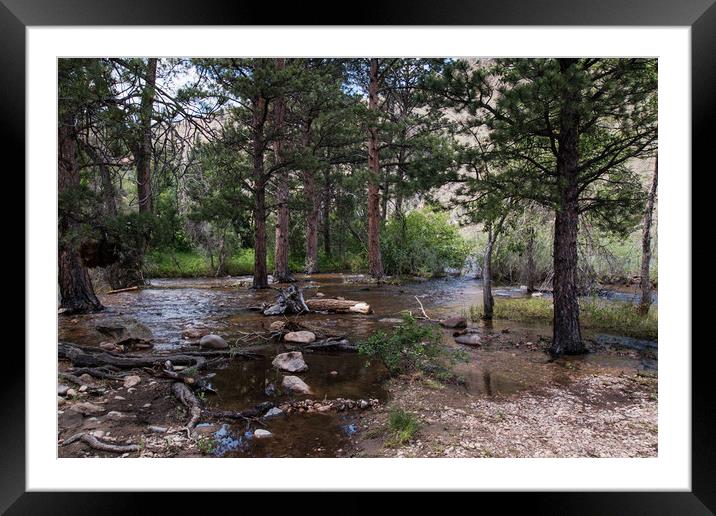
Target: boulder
{"type": "Point", "coordinates": [62, 389]}
{"type": "Point", "coordinates": [127, 333]}
{"type": "Point", "coordinates": [262, 434]}
{"type": "Point", "coordinates": [300, 337]}
{"type": "Point", "coordinates": [213, 342]}
{"type": "Point", "coordinates": [292, 362]}
{"type": "Point", "coordinates": [131, 381]}
{"type": "Point", "coordinates": [454, 322]}
{"type": "Point", "coordinates": [295, 384]}
{"type": "Point", "coordinates": [471, 339]}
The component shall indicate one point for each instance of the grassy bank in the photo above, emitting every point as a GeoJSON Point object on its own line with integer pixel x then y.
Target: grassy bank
{"type": "Point", "coordinates": [607, 316]}
{"type": "Point", "coordinates": [193, 264]}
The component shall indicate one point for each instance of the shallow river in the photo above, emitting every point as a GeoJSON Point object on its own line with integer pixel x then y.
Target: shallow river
{"type": "Point", "coordinates": [177, 310]}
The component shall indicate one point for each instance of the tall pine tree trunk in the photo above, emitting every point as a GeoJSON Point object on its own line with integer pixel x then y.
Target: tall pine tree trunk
{"type": "Point", "coordinates": [375, 262]}
{"type": "Point", "coordinates": [259, 117]}
{"type": "Point", "coordinates": [567, 336]}
{"type": "Point", "coordinates": [327, 213]}
{"type": "Point", "coordinates": [645, 281]}
{"type": "Point", "coordinates": [488, 302]}
{"type": "Point", "coordinates": [144, 149]}
{"type": "Point", "coordinates": [311, 194]}
{"type": "Point", "coordinates": [76, 292]}
{"type": "Point", "coordinates": [281, 270]}
{"type": "Point", "coordinates": [530, 251]}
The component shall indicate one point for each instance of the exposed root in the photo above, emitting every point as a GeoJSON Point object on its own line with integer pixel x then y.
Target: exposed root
{"type": "Point", "coordinates": [185, 395]}
{"type": "Point", "coordinates": [91, 441]}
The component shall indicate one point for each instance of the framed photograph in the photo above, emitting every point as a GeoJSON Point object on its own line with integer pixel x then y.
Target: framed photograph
{"type": "Point", "coordinates": [416, 252]}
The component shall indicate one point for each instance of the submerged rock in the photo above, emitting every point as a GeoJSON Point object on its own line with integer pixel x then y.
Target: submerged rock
{"type": "Point", "coordinates": [273, 412]}
{"type": "Point", "coordinates": [212, 341]}
{"type": "Point", "coordinates": [300, 337]}
{"type": "Point", "coordinates": [471, 339]}
{"type": "Point", "coordinates": [127, 333]}
{"type": "Point", "coordinates": [292, 362]}
{"type": "Point", "coordinates": [295, 384]}
{"type": "Point", "coordinates": [454, 322]}
{"type": "Point", "coordinates": [277, 325]}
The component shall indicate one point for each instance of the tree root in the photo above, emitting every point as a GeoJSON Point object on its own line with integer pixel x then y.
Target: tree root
{"type": "Point", "coordinates": [186, 396]}
{"type": "Point", "coordinates": [91, 441]}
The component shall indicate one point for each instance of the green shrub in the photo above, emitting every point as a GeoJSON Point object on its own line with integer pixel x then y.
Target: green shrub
{"type": "Point", "coordinates": [402, 427]}
{"type": "Point", "coordinates": [406, 348]}
{"type": "Point", "coordinates": [423, 243]}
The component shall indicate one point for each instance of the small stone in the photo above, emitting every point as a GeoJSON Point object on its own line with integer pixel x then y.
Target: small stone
{"type": "Point", "coordinates": [87, 379]}
{"type": "Point", "coordinates": [300, 337]}
{"type": "Point", "coordinates": [292, 362]}
{"type": "Point", "coordinates": [277, 325]}
{"type": "Point", "coordinates": [213, 342]}
{"type": "Point", "coordinates": [334, 373]}
{"type": "Point", "coordinates": [120, 398]}
{"type": "Point", "coordinates": [454, 322]}
{"type": "Point", "coordinates": [61, 401]}
{"type": "Point", "coordinates": [97, 433]}
{"type": "Point", "coordinates": [364, 404]}
{"type": "Point", "coordinates": [87, 408]}
{"type": "Point", "coordinates": [320, 294]}
{"type": "Point", "coordinates": [206, 428]}
{"type": "Point", "coordinates": [147, 405]}
{"type": "Point", "coordinates": [83, 388]}
{"type": "Point", "coordinates": [262, 434]}
{"type": "Point", "coordinates": [71, 393]}
{"type": "Point", "coordinates": [131, 381]}
{"type": "Point", "coordinates": [157, 429]}
{"type": "Point", "coordinates": [295, 384]}
{"type": "Point", "coordinates": [275, 411]}
{"type": "Point", "coordinates": [471, 339]}
{"type": "Point", "coordinates": [116, 415]}
{"type": "Point", "coordinates": [62, 389]}
{"type": "Point", "coordinates": [107, 346]}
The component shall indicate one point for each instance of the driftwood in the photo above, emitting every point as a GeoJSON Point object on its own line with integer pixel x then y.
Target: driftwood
{"type": "Point", "coordinates": [128, 289]}
{"type": "Point", "coordinates": [185, 395]}
{"type": "Point", "coordinates": [422, 309]}
{"type": "Point", "coordinates": [91, 441]}
{"type": "Point", "coordinates": [338, 305]}
{"type": "Point", "coordinates": [288, 301]}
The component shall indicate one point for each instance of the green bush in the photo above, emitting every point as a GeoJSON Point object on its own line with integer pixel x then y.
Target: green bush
{"type": "Point", "coordinates": [422, 242]}
{"type": "Point", "coordinates": [406, 347]}
{"type": "Point", "coordinates": [402, 426]}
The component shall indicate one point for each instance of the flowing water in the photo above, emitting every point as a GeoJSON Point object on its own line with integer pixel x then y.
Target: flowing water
{"type": "Point", "coordinates": [179, 310]}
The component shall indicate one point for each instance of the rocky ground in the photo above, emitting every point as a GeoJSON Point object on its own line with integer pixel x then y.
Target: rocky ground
{"type": "Point", "coordinates": [595, 415]}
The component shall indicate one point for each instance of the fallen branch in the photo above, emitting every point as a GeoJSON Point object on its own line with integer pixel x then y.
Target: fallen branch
{"type": "Point", "coordinates": [185, 395]}
{"type": "Point", "coordinates": [116, 291]}
{"type": "Point", "coordinates": [91, 441]}
{"type": "Point", "coordinates": [422, 309]}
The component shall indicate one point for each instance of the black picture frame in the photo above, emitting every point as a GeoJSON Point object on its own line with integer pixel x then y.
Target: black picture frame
{"type": "Point", "coordinates": [700, 15]}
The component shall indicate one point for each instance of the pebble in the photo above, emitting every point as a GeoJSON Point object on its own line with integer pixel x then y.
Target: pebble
{"type": "Point", "coordinates": [262, 434]}
{"type": "Point", "coordinates": [83, 388]}
{"type": "Point", "coordinates": [71, 392]}
{"type": "Point", "coordinates": [131, 381]}
{"type": "Point", "coordinates": [62, 389]}
{"type": "Point", "coordinates": [157, 429]}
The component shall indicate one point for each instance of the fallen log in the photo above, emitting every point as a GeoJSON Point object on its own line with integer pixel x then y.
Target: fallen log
{"type": "Point", "coordinates": [288, 301]}
{"type": "Point", "coordinates": [128, 289]}
{"type": "Point", "coordinates": [81, 356]}
{"type": "Point", "coordinates": [91, 441]}
{"type": "Point", "coordinates": [338, 305]}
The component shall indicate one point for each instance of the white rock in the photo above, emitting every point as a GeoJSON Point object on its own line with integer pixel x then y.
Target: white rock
{"type": "Point", "coordinates": [62, 389]}
{"type": "Point", "coordinates": [295, 384]}
{"type": "Point", "coordinates": [275, 411]}
{"type": "Point", "coordinates": [262, 434]}
{"type": "Point", "coordinates": [301, 337]}
{"type": "Point", "coordinates": [292, 362]}
{"type": "Point", "coordinates": [131, 381]}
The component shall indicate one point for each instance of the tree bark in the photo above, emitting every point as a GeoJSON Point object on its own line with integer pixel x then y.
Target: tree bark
{"type": "Point", "coordinates": [259, 117]}
{"type": "Point", "coordinates": [311, 193]}
{"type": "Point", "coordinates": [281, 271]}
{"type": "Point", "coordinates": [76, 292]}
{"type": "Point", "coordinates": [375, 262]}
{"type": "Point", "coordinates": [144, 149]}
{"type": "Point", "coordinates": [488, 301]}
{"type": "Point", "coordinates": [327, 213]}
{"type": "Point", "coordinates": [530, 251]}
{"type": "Point", "coordinates": [645, 280]}
{"type": "Point", "coordinates": [567, 336]}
